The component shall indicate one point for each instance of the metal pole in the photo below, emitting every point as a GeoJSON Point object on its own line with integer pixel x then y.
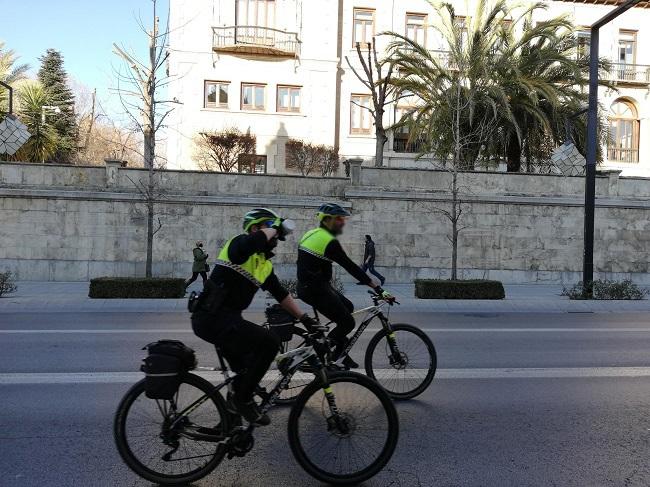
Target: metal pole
{"type": "Point", "coordinates": [592, 145]}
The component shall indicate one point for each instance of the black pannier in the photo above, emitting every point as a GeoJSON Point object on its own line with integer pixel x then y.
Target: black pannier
{"type": "Point", "coordinates": [163, 367]}
{"type": "Point", "coordinates": [280, 322]}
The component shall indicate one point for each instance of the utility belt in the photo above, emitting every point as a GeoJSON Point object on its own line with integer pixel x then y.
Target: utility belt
{"type": "Point", "coordinates": [209, 301]}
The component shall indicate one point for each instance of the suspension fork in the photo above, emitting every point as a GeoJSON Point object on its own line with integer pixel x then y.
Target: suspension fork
{"type": "Point", "coordinates": [396, 356]}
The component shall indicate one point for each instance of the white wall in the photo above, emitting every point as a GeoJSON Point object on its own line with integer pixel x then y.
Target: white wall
{"type": "Point", "coordinates": [193, 61]}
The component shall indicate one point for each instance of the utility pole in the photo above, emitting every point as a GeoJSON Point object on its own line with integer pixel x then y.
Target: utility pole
{"type": "Point", "coordinates": [592, 145]}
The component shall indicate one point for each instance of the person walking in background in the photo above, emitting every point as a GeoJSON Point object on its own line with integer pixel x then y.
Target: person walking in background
{"type": "Point", "coordinates": [200, 265]}
{"type": "Point", "coordinates": [369, 260]}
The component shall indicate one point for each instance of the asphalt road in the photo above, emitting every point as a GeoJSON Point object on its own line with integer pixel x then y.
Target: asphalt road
{"type": "Point", "coordinates": [520, 399]}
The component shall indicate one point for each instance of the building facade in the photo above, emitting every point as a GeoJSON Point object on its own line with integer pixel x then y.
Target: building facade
{"type": "Point", "coordinates": [278, 69]}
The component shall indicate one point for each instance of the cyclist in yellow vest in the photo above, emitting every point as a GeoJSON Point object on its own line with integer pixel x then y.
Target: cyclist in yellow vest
{"type": "Point", "coordinates": [242, 267]}
{"type": "Point", "coordinates": [317, 250]}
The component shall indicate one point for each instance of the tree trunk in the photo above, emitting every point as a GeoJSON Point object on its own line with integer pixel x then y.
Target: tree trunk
{"type": "Point", "coordinates": [150, 215]}
{"type": "Point", "coordinates": [513, 156]}
{"type": "Point", "coordinates": [380, 136]}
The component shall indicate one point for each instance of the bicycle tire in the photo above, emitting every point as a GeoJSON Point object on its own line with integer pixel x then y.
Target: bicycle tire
{"type": "Point", "coordinates": [386, 451]}
{"type": "Point", "coordinates": [131, 459]}
{"type": "Point", "coordinates": [431, 372]}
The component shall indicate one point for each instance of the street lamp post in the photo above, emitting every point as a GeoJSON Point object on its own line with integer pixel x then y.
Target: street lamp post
{"type": "Point", "coordinates": [592, 145]}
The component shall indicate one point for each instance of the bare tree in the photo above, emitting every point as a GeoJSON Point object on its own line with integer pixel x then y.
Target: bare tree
{"type": "Point", "coordinates": [464, 141]}
{"type": "Point", "coordinates": [223, 150]}
{"type": "Point", "coordinates": [138, 85]}
{"type": "Point", "coordinates": [307, 157]}
{"type": "Point", "coordinates": [381, 90]}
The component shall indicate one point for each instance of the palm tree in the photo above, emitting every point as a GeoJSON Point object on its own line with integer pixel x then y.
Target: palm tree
{"type": "Point", "coordinates": [10, 73]}
{"type": "Point", "coordinates": [505, 88]}
{"type": "Point", "coordinates": [42, 144]}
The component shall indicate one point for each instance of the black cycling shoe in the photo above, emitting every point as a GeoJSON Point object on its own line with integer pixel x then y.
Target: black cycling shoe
{"type": "Point", "coordinates": [248, 410]}
{"type": "Point", "coordinates": [348, 363]}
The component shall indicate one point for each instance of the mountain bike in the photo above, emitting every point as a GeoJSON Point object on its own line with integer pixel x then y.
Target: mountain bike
{"type": "Point", "coordinates": [342, 428]}
{"type": "Point", "coordinates": [400, 357]}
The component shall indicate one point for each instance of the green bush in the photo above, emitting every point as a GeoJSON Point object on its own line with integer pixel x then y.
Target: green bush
{"type": "Point", "coordinates": [7, 283]}
{"type": "Point", "coordinates": [460, 289]}
{"type": "Point", "coordinates": [605, 290]}
{"type": "Point", "coordinates": [136, 287]}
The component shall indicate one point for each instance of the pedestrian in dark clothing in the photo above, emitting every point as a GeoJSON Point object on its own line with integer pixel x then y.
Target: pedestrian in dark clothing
{"type": "Point", "coordinates": [369, 260]}
{"type": "Point", "coordinates": [200, 265]}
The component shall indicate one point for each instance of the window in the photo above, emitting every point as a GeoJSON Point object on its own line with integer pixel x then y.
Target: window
{"type": "Point", "coordinates": [627, 47]}
{"type": "Point", "coordinates": [416, 28]}
{"type": "Point", "coordinates": [253, 96]}
{"type": "Point", "coordinates": [623, 132]}
{"type": "Point", "coordinates": [401, 135]}
{"type": "Point", "coordinates": [364, 26]}
{"type": "Point", "coordinates": [216, 94]}
{"type": "Point", "coordinates": [252, 164]}
{"type": "Point", "coordinates": [360, 117]}
{"type": "Point", "coordinates": [461, 23]}
{"type": "Point", "coordinates": [288, 99]}
{"type": "Point", "coordinates": [259, 13]}
{"type": "Point", "coordinates": [583, 42]}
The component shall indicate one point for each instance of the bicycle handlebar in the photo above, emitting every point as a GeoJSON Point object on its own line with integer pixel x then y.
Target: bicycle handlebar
{"type": "Point", "coordinates": [377, 297]}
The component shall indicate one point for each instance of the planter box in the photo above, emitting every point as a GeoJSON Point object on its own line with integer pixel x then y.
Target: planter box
{"type": "Point", "coordinates": [136, 287]}
{"type": "Point", "coordinates": [461, 289]}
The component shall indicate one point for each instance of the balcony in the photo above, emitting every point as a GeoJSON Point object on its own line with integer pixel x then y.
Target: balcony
{"type": "Point", "coordinates": [633, 74]}
{"type": "Point", "coordinates": [403, 145]}
{"type": "Point", "coordinates": [615, 154]}
{"type": "Point", "coordinates": [251, 39]}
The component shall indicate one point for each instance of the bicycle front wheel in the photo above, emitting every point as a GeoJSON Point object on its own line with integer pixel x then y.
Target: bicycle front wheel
{"type": "Point", "coordinates": [165, 455]}
{"type": "Point", "coordinates": [351, 446]}
{"type": "Point", "coordinates": [405, 367]}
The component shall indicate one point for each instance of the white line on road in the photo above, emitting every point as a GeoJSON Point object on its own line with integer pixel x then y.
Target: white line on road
{"type": "Point", "coordinates": [428, 330]}
{"type": "Point", "coordinates": [215, 377]}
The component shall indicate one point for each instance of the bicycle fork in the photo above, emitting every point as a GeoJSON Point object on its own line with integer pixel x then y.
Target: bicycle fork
{"type": "Point", "coordinates": [396, 358]}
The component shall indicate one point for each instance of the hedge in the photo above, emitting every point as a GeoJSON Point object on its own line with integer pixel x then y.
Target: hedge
{"type": "Point", "coordinates": [465, 289]}
{"type": "Point", "coordinates": [136, 287]}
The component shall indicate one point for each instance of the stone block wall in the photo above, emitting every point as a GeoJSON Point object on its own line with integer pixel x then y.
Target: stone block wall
{"type": "Point", "coordinates": [70, 223]}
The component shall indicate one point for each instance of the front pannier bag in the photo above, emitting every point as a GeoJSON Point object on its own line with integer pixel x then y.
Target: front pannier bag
{"type": "Point", "coordinates": [164, 365]}
{"type": "Point", "coordinates": [280, 322]}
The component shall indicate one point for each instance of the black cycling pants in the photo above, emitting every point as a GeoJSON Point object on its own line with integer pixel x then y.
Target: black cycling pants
{"type": "Point", "coordinates": [331, 304]}
{"type": "Point", "coordinates": [248, 348]}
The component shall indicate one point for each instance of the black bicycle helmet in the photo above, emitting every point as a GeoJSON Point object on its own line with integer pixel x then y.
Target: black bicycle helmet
{"type": "Point", "coordinates": [331, 209]}
{"type": "Point", "coordinates": [258, 215]}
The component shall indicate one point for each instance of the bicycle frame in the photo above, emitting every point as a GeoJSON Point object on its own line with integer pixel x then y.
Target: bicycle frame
{"type": "Point", "coordinates": [297, 356]}
{"type": "Point", "coordinates": [371, 313]}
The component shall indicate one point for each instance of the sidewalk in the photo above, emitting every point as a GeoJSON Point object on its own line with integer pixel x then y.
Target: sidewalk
{"type": "Point", "coordinates": [521, 298]}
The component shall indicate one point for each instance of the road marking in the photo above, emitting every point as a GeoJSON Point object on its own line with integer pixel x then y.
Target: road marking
{"type": "Point", "coordinates": [477, 373]}
{"type": "Point", "coordinates": [109, 331]}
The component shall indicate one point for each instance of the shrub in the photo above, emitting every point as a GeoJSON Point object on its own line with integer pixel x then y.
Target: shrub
{"type": "Point", "coordinates": [459, 289]}
{"type": "Point", "coordinates": [291, 285]}
{"type": "Point", "coordinates": [7, 283]}
{"type": "Point", "coordinates": [306, 157]}
{"type": "Point", "coordinates": [224, 150]}
{"type": "Point", "coordinates": [605, 289]}
{"type": "Point", "coordinates": [136, 287]}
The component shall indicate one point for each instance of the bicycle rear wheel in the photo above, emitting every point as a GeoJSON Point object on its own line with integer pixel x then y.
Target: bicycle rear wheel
{"type": "Point", "coordinates": [144, 439]}
{"type": "Point", "coordinates": [356, 447]}
{"type": "Point", "coordinates": [411, 372]}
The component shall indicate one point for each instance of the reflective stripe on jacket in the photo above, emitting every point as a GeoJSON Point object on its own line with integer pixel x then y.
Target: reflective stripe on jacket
{"type": "Point", "coordinates": [256, 269]}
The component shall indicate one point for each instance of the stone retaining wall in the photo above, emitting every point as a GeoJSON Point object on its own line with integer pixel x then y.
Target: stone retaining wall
{"type": "Point", "coordinates": [70, 223]}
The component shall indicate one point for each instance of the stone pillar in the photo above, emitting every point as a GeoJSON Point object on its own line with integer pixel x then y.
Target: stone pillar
{"type": "Point", "coordinates": [612, 180]}
{"type": "Point", "coordinates": [112, 166]}
{"type": "Point", "coordinates": [355, 171]}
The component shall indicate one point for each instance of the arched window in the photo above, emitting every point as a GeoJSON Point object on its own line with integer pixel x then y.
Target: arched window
{"type": "Point", "coordinates": [623, 132]}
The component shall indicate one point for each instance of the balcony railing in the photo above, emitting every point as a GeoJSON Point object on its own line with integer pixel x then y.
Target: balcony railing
{"type": "Point", "coordinates": [615, 154]}
{"type": "Point", "coordinates": [252, 39]}
{"type": "Point", "coordinates": [630, 73]}
{"type": "Point", "coordinates": [403, 145]}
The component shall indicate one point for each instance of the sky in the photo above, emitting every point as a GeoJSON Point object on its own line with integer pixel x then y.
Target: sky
{"type": "Point", "coordinates": [83, 31]}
